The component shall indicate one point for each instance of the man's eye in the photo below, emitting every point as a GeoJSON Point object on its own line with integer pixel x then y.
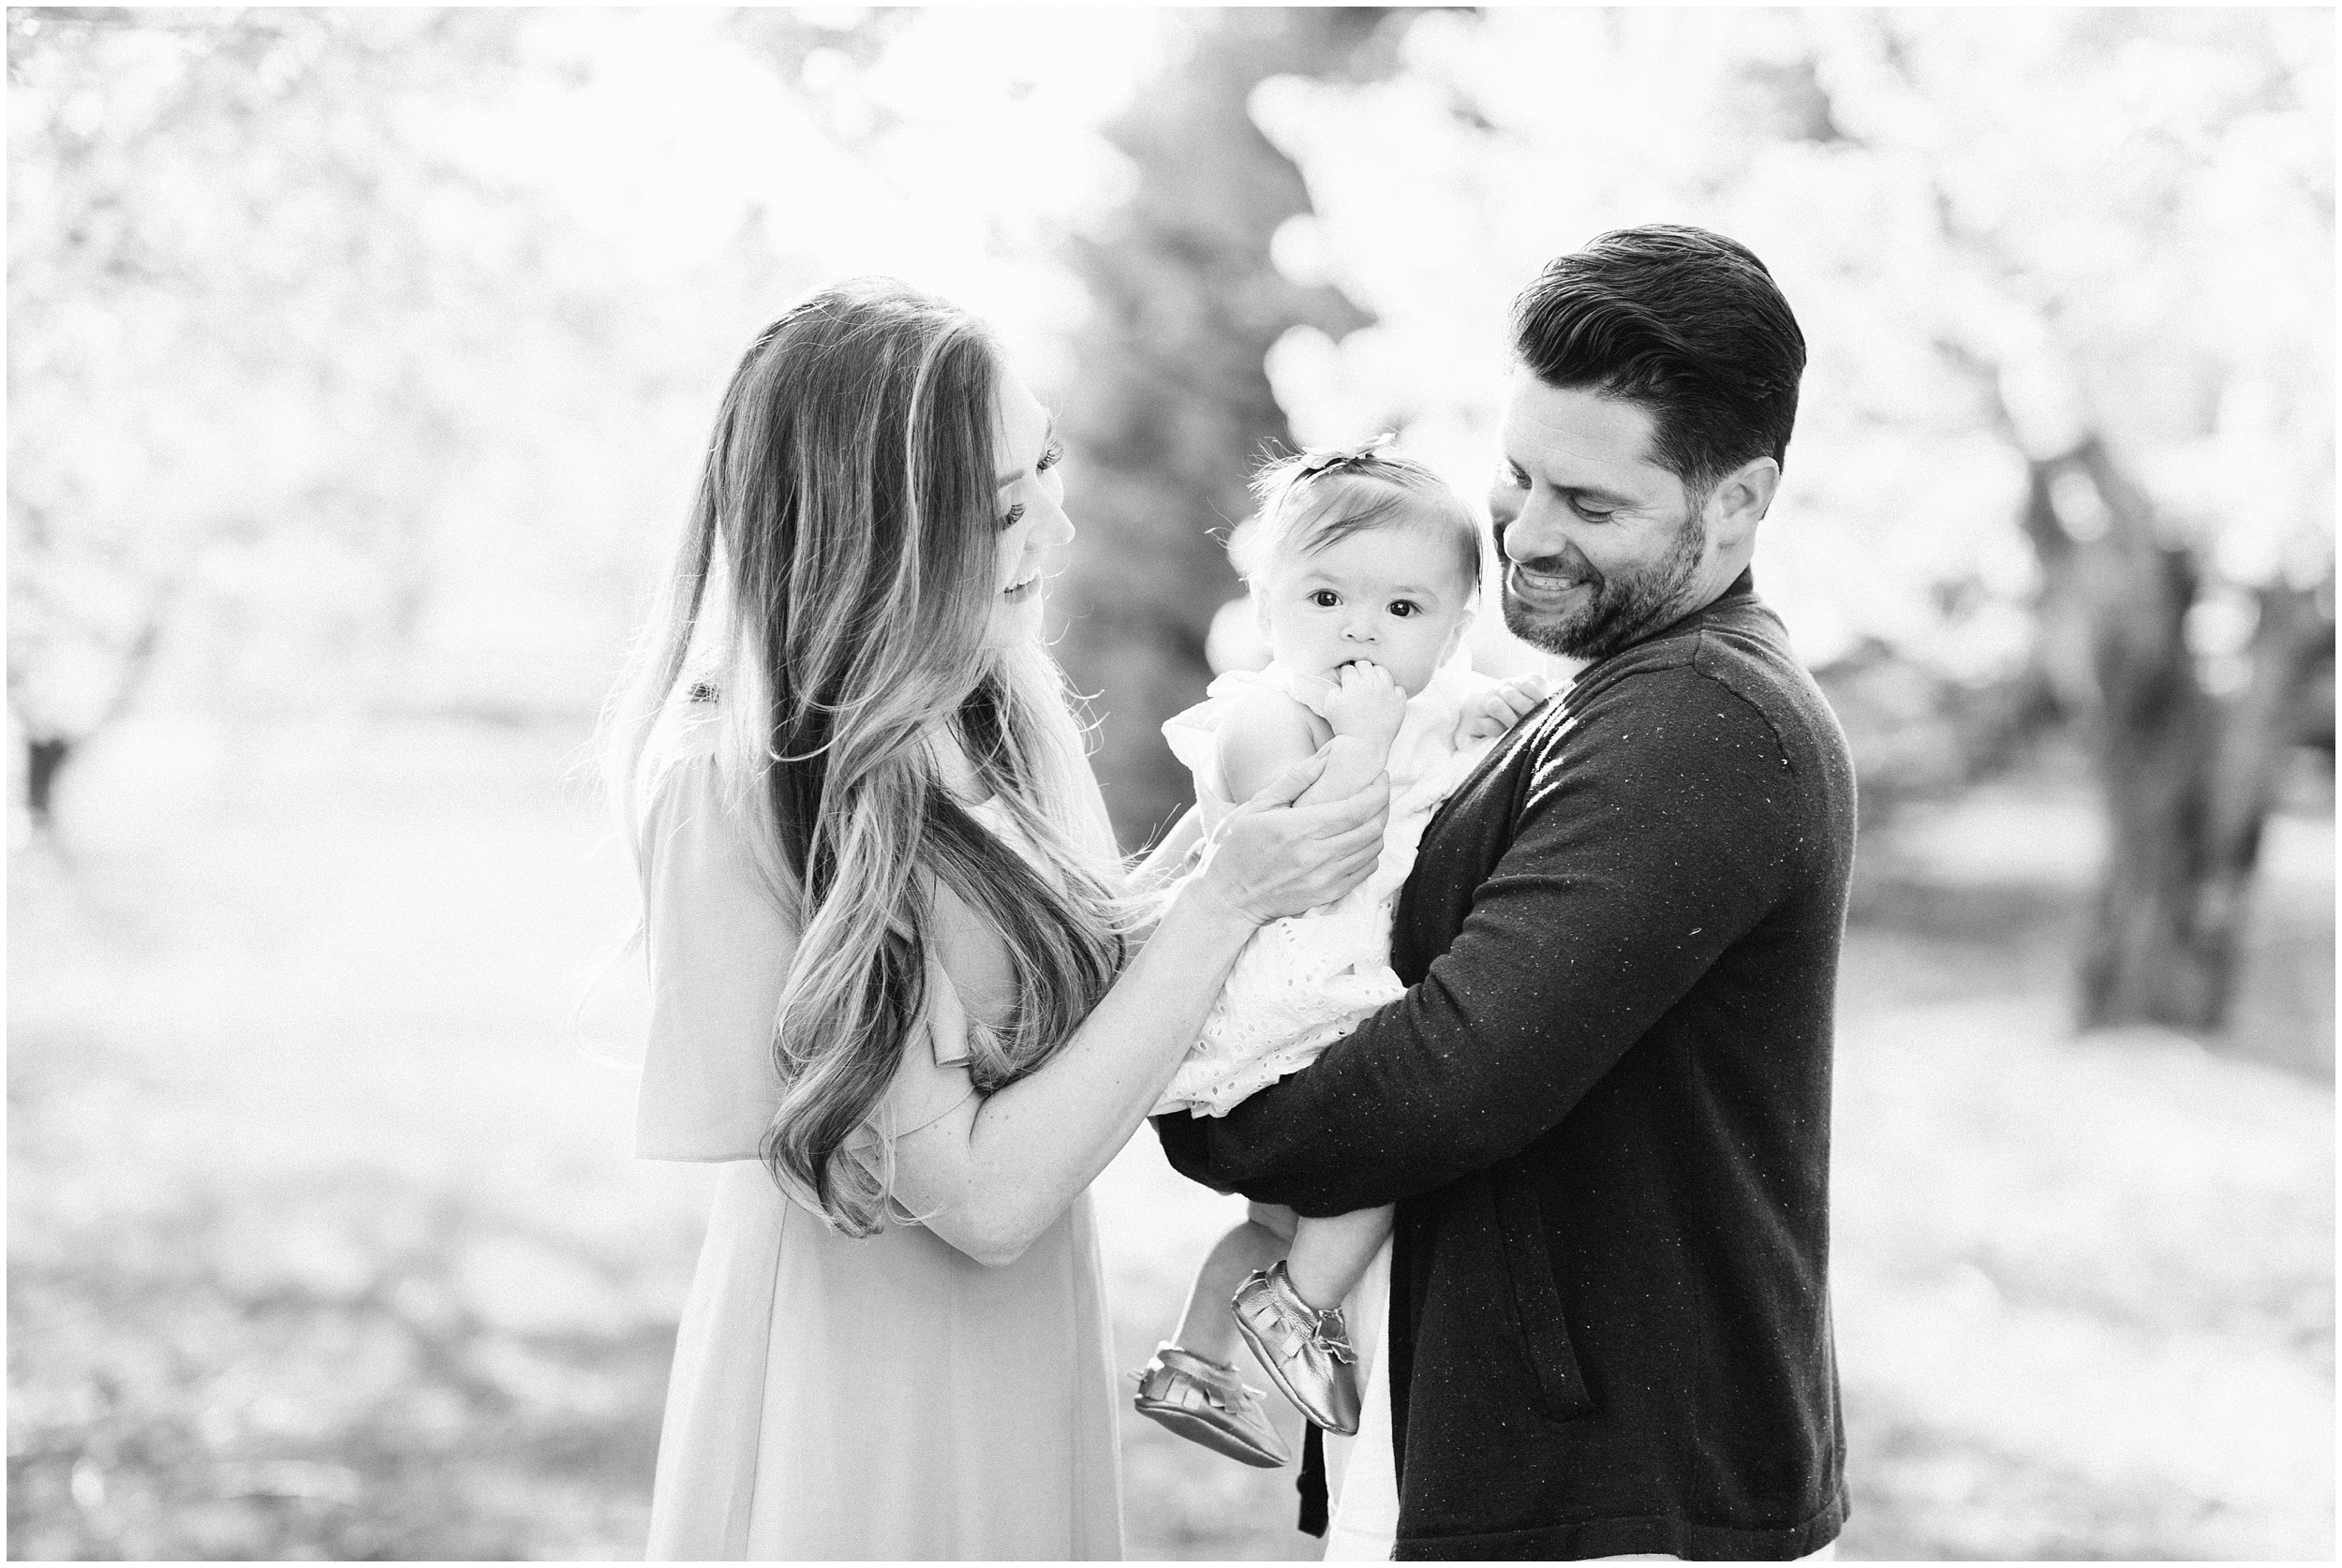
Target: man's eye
{"type": "Point", "coordinates": [1513, 477]}
{"type": "Point", "coordinates": [1590, 515]}
{"type": "Point", "coordinates": [1324, 599]}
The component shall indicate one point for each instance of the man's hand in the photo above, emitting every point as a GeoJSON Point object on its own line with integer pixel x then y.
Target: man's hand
{"type": "Point", "coordinates": [1502, 707]}
{"type": "Point", "coordinates": [1366, 704]}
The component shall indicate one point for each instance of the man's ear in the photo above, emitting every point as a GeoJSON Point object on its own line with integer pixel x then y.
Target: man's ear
{"type": "Point", "coordinates": [1739, 501]}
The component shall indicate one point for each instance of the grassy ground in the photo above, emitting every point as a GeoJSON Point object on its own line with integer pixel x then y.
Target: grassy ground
{"type": "Point", "coordinates": [323, 1242]}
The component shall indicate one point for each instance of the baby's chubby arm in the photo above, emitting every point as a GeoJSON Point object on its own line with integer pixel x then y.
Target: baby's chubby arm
{"type": "Point", "coordinates": [1268, 731]}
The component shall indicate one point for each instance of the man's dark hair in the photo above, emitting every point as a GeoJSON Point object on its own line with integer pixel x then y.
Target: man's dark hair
{"type": "Point", "coordinates": [1678, 321]}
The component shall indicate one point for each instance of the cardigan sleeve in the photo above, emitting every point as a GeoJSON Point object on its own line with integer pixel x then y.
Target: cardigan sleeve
{"type": "Point", "coordinates": [1654, 834]}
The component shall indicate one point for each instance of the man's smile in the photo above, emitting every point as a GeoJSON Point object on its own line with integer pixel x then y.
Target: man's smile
{"type": "Point", "coordinates": [1545, 587]}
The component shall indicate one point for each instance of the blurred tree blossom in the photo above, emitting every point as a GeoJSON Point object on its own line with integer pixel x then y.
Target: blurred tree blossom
{"type": "Point", "coordinates": [358, 363]}
{"type": "Point", "coordinates": [360, 357]}
{"type": "Point", "coordinates": [2066, 438]}
{"type": "Point", "coordinates": [1171, 405]}
{"type": "Point", "coordinates": [164, 279]}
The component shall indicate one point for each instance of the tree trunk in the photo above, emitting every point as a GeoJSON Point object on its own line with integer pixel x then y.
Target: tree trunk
{"type": "Point", "coordinates": [45, 757]}
{"type": "Point", "coordinates": [47, 746]}
{"type": "Point", "coordinates": [2162, 942]}
{"type": "Point", "coordinates": [1176, 403]}
{"type": "Point", "coordinates": [2188, 778]}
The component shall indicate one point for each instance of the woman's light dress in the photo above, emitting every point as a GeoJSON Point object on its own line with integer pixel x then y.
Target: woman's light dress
{"type": "Point", "coordinates": [1303, 983]}
{"type": "Point", "coordinates": [835, 1398]}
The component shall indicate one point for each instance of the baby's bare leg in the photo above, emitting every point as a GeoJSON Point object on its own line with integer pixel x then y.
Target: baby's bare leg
{"type": "Point", "coordinates": [1206, 1327]}
{"type": "Point", "coordinates": [1330, 1255]}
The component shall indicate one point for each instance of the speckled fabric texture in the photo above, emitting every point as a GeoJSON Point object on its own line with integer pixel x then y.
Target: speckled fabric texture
{"type": "Point", "coordinates": [1603, 1109]}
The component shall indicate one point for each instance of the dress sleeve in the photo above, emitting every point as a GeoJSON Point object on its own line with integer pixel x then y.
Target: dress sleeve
{"type": "Point", "coordinates": [719, 951]}
{"type": "Point", "coordinates": [1192, 734]}
{"type": "Point", "coordinates": [933, 1080]}
{"type": "Point", "coordinates": [719, 956]}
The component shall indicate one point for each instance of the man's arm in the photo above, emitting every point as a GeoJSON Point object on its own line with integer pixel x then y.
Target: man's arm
{"type": "Point", "coordinates": [1655, 834]}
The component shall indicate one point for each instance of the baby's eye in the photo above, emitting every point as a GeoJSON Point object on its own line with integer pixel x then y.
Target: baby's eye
{"type": "Point", "coordinates": [1403, 608]}
{"type": "Point", "coordinates": [1324, 599]}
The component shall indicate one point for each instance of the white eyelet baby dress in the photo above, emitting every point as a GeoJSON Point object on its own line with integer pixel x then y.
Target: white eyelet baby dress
{"type": "Point", "coordinates": [1304, 982]}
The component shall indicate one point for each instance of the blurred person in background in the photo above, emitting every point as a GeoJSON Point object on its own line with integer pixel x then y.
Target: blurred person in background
{"type": "Point", "coordinates": [1603, 1107]}
{"type": "Point", "coordinates": [897, 981]}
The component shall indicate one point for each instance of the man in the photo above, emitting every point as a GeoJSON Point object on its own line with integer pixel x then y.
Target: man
{"type": "Point", "coordinates": [1603, 1107]}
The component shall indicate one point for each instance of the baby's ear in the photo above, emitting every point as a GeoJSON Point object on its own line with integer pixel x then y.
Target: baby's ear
{"type": "Point", "coordinates": [1456, 637]}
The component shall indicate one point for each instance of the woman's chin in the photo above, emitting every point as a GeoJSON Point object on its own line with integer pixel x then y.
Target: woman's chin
{"type": "Point", "coordinates": [1015, 621]}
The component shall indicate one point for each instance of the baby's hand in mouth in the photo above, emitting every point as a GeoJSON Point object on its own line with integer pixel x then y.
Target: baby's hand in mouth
{"type": "Point", "coordinates": [1366, 702]}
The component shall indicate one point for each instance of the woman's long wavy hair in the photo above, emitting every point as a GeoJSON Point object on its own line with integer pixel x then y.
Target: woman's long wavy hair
{"type": "Point", "coordinates": [834, 586]}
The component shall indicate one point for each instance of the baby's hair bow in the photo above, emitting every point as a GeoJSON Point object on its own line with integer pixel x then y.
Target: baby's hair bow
{"type": "Point", "coordinates": [1316, 463]}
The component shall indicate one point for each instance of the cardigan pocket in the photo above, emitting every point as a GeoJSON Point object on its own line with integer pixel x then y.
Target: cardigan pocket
{"type": "Point", "coordinates": [1561, 1394]}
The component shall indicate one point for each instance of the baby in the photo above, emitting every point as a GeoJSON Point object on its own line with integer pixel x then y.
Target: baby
{"type": "Point", "coordinates": [1364, 568]}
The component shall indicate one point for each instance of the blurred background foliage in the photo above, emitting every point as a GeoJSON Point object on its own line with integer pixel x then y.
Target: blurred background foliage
{"type": "Point", "coordinates": [358, 360]}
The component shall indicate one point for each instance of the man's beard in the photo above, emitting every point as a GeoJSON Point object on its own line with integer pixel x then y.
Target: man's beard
{"type": "Point", "coordinates": [1625, 609]}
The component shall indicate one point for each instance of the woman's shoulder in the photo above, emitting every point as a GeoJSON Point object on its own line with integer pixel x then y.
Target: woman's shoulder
{"type": "Point", "coordinates": [703, 860]}
{"type": "Point", "coordinates": [689, 726]}
{"type": "Point", "coordinates": [720, 946]}
{"type": "Point", "coordinates": [680, 769]}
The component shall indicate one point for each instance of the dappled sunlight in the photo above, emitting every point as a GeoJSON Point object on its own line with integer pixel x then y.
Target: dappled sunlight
{"type": "Point", "coordinates": [324, 1222]}
{"type": "Point", "coordinates": [362, 364]}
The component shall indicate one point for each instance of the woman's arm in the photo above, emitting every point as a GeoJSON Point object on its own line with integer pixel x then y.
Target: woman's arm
{"type": "Point", "coordinates": [990, 1176]}
{"type": "Point", "coordinates": [1170, 857]}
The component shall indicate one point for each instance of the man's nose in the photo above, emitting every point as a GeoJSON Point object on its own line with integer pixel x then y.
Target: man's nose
{"type": "Point", "coordinates": [1534, 534]}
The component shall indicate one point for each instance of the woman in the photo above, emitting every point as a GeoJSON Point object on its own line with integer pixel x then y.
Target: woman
{"type": "Point", "coordinates": [894, 979]}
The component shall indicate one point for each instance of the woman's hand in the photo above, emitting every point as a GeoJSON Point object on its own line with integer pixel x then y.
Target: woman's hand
{"type": "Point", "coordinates": [1276, 859]}
{"type": "Point", "coordinates": [995, 1171]}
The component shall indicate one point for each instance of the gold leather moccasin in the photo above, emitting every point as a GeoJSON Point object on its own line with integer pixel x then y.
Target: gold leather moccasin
{"type": "Point", "coordinates": [1206, 1402]}
{"type": "Point", "coordinates": [1306, 1351]}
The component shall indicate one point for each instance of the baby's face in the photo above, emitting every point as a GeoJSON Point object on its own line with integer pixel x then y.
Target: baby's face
{"type": "Point", "coordinates": [1395, 595]}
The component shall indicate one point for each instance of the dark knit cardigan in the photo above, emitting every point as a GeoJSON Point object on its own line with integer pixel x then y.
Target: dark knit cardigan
{"type": "Point", "coordinates": [1603, 1110]}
